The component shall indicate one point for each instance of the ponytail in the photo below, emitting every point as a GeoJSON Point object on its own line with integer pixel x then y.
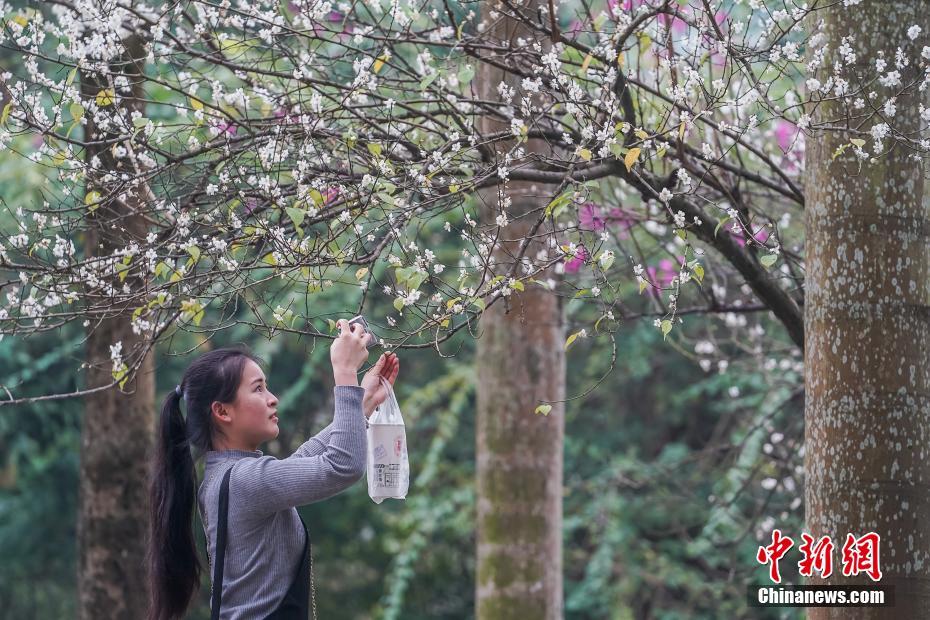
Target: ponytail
{"type": "Point", "coordinates": [173, 563]}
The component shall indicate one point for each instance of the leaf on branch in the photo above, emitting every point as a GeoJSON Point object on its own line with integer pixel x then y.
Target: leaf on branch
{"type": "Point", "coordinates": [426, 81]}
{"type": "Point", "coordinates": [666, 328]}
{"type": "Point", "coordinates": [631, 158]}
{"type": "Point", "coordinates": [466, 74]}
{"type": "Point", "coordinates": [768, 260]}
{"type": "Point", "coordinates": [92, 200]}
{"type": "Point", "coordinates": [699, 273]}
{"type": "Point", "coordinates": [379, 62]}
{"type": "Point", "coordinates": [106, 97]}
{"type": "Point", "coordinates": [543, 409]}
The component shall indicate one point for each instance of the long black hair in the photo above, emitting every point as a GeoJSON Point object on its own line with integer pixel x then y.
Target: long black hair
{"type": "Point", "coordinates": [173, 564]}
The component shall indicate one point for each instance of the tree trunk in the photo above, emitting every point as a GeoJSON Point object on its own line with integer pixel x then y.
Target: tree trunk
{"type": "Point", "coordinates": [521, 361]}
{"type": "Point", "coordinates": [867, 375]}
{"type": "Point", "coordinates": [117, 427]}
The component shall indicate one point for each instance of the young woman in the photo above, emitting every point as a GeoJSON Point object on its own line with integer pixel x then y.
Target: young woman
{"type": "Point", "coordinates": [230, 412]}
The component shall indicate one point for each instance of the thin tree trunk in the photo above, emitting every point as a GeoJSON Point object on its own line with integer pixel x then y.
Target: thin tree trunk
{"type": "Point", "coordinates": [117, 428]}
{"type": "Point", "coordinates": [867, 325]}
{"type": "Point", "coordinates": [521, 361]}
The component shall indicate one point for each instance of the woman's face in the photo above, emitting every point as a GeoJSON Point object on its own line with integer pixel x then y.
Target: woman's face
{"type": "Point", "coordinates": [253, 414]}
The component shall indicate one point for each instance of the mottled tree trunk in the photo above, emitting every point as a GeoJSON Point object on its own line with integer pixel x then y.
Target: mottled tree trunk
{"type": "Point", "coordinates": [521, 361]}
{"type": "Point", "coordinates": [117, 427]}
{"type": "Point", "coordinates": [867, 326]}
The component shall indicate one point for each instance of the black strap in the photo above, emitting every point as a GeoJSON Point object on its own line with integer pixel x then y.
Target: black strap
{"type": "Point", "coordinates": [220, 548]}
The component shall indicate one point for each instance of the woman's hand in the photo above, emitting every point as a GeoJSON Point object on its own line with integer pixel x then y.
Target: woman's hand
{"type": "Point", "coordinates": [348, 352]}
{"type": "Point", "coordinates": [387, 366]}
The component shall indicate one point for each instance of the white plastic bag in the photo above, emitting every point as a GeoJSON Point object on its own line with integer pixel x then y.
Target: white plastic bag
{"type": "Point", "coordinates": [388, 468]}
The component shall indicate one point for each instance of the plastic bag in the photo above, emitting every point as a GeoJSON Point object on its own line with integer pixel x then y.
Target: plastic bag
{"type": "Point", "coordinates": [388, 468]}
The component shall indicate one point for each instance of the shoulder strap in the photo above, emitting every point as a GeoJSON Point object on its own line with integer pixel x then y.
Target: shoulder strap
{"type": "Point", "coordinates": [220, 548]}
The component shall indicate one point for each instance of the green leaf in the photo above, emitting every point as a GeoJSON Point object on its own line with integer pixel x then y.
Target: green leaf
{"type": "Point", "coordinates": [6, 112]}
{"type": "Point", "coordinates": [699, 273]}
{"type": "Point", "coordinates": [768, 260]}
{"type": "Point", "coordinates": [858, 142]}
{"type": "Point", "coordinates": [374, 148]}
{"type": "Point", "coordinates": [414, 281]}
{"type": "Point", "coordinates": [543, 409]}
{"type": "Point", "coordinates": [194, 251]}
{"type": "Point", "coordinates": [426, 81]}
{"type": "Point", "coordinates": [571, 339]}
{"type": "Point", "coordinates": [296, 215]}
{"type": "Point", "coordinates": [666, 328]}
{"type": "Point", "coordinates": [466, 74]}
{"type": "Point", "coordinates": [398, 304]}
{"type": "Point", "coordinates": [558, 202]}
{"type": "Point", "coordinates": [402, 274]}
{"type": "Point", "coordinates": [76, 110]}
{"type": "Point", "coordinates": [721, 223]}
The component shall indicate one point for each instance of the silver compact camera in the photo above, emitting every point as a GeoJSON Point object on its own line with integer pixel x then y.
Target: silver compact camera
{"type": "Point", "coordinates": [374, 340]}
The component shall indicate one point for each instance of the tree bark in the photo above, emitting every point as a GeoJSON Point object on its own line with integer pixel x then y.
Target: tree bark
{"type": "Point", "coordinates": [867, 375]}
{"type": "Point", "coordinates": [521, 361]}
{"type": "Point", "coordinates": [117, 427]}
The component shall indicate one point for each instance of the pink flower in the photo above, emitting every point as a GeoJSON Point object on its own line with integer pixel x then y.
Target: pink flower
{"type": "Point", "coordinates": [678, 24]}
{"type": "Point", "coordinates": [573, 265]}
{"type": "Point", "coordinates": [330, 194]}
{"type": "Point", "coordinates": [761, 235]}
{"type": "Point", "coordinates": [620, 219]}
{"type": "Point", "coordinates": [785, 131]}
{"type": "Point", "coordinates": [590, 217]}
{"type": "Point", "coordinates": [229, 127]}
{"type": "Point", "coordinates": [663, 276]}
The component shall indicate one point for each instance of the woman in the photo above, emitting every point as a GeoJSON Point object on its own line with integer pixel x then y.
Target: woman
{"type": "Point", "coordinates": [230, 412]}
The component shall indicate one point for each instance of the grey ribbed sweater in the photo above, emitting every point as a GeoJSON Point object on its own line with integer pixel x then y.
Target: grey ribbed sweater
{"type": "Point", "coordinates": [264, 535]}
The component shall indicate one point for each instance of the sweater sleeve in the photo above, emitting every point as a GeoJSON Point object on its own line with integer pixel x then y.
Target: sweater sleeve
{"type": "Point", "coordinates": [315, 445]}
{"type": "Point", "coordinates": [265, 485]}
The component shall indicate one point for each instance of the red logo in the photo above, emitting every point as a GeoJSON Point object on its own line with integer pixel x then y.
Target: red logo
{"type": "Point", "coordinates": [774, 552]}
{"type": "Point", "coordinates": [860, 555]}
{"type": "Point", "coordinates": [817, 557]}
